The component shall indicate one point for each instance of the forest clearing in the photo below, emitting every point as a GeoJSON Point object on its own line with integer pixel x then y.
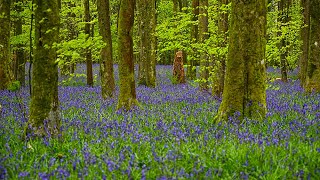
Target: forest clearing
{"type": "Point", "coordinates": [171, 136]}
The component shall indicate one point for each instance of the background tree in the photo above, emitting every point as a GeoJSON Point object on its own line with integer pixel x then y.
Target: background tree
{"type": "Point", "coordinates": [88, 50]}
{"type": "Point", "coordinates": [191, 71]}
{"type": "Point", "coordinates": [305, 34]}
{"type": "Point", "coordinates": [19, 64]}
{"type": "Point", "coordinates": [5, 69]}
{"type": "Point", "coordinates": [44, 100]}
{"type": "Point", "coordinates": [220, 63]}
{"type": "Point", "coordinates": [203, 36]}
{"type": "Point", "coordinates": [284, 6]}
{"type": "Point", "coordinates": [313, 78]}
{"type": "Point", "coordinates": [147, 48]}
{"type": "Point", "coordinates": [245, 86]}
{"type": "Point", "coordinates": [106, 61]}
{"type": "Point", "coordinates": [127, 96]}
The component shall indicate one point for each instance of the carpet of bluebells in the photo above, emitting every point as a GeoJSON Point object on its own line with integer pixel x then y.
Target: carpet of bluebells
{"type": "Point", "coordinates": [171, 136]}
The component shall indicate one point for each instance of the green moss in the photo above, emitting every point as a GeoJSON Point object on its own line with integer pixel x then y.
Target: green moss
{"type": "Point", "coordinates": [313, 77]}
{"type": "Point", "coordinates": [245, 87]}
{"type": "Point", "coordinates": [106, 64]}
{"type": "Point", "coordinates": [44, 99]}
{"type": "Point", "coordinates": [5, 69]}
{"type": "Point", "coordinates": [147, 56]}
{"type": "Point", "coordinates": [127, 95]}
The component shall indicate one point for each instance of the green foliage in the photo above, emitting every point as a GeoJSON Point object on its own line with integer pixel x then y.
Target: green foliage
{"type": "Point", "coordinates": [174, 32]}
{"type": "Point", "coordinates": [14, 86]}
{"type": "Point", "coordinates": [76, 80]}
{"type": "Point", "coordinates": [25, 16]}
{"type": "Point", "coordinates": [70, 51]}
{"type": "Point", "coordinates": [290, 32]}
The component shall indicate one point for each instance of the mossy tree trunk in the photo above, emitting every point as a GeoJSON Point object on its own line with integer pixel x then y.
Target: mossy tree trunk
{"type": "Point", "coordinates": [203, 36]}
{"type": "Point", "coordinates": [191, 71]}
{"type": "Point", "coordinates": [220, 65]}
{"type": "Point", "coordinates": [19, 69]}
{"type": "Point", "coordinates": [147, 28]}
{"type": "Point", "coordinates": [106, 61]}
{"type": "Point", "coordinates": [88, 50]}
{"type": "Point", "coordinates": [313, 77]}
{"type": "Point", "coordinates": [44, 108]}
{"type": "Point", "coordinates": [245, 81]}
{"type": "Point", "coordinates": [127, 96]}
{"type": "Point", "coordinates": [5, 69]}
{"type": "Point", "coordinates": [305, 34]}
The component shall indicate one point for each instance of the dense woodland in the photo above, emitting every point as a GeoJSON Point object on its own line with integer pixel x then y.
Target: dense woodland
{"type": "Point", "coordinates": [159, 89]}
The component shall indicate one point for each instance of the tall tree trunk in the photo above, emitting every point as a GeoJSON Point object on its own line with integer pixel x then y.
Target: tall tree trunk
{"type": "Point", "coordinates": [147, 27]}
{"type": "Point", "coordinates": [191, 71]}
{"type": "Point", "coordinates": [313, 77]}
{"type": "Point", "coordinates": [44, 108]}
{"type": "Point", "coordinates": [88, 50]}
{"type": "Point", "coordinates": [218, 82]}
{"type": "Point", "coordinates": [283, 7]}
{"type": "Point", "coordinates": [5, 68]}
{"type": "Point", "coordinates": [19, 54]}
{"type": "Point", "coordinates": [245, 87]}
{"type": "Point", "coordinates": [73, 32]}
{"type": "Point", "coordinates": [106, 62]}
{"type": "Point", "coordinates": [203, 36]}
{"type": "Point", "coordinates": [305, 34]}
{"type": "Point", "coordinates": [127, 96]}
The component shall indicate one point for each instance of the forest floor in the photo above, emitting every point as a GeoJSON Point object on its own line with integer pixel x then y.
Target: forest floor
{"type": "Point", "coordinates": [171, 136]}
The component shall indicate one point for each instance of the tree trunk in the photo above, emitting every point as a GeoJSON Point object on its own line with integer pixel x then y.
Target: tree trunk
{"type": "Point", "coordinates": [19, 54]}
{"type": "Point", "coordinates": [5, 68]}
{"type": "Point", "coordinates": [305, 34]}
{"type": "Point", "coordinates": [73, 32]}
{"type": "Point", "coordinates": [283, 7]}
{"type": "Point", "coordinates": [218, 82]}
{"type": "Point", "coordinates": [245, 87]}
{"type": "Point", "coordinates": [127, 96]}
{"type": "Point", "coordinates": [147, 27]}
{"type": "Point", "coordinates": [203, 36]}
{"type": "Point", "coordinates": [88, 50]}
{"type": "Point", "coordinates": [44, 108]}
{"type": "Point", "coordinates": [313, 77]}
{"type": "Point", "coordinates": [191, 71]}
{"type": "Point", "coordinates": [178, 70]}
{"type": "Point", "coordinates": [106, 62]}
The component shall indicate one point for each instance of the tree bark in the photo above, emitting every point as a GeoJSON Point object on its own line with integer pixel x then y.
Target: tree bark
{"type": "Point", "coordinates": [191, 71]}
{"type": "Point", "coordinates": [245, 84]}
{"type": "Point", "coordinates": [147, 28]}
{"type": "Point", "coordinates": [313, 77]}
{"type": "Point", "coordinates": [219, 76]}
{"type": "Point", "coordinates": [203, 36]}
{"type": "Point", "coordinates": [73, 32]}
{"type": "Point", "coordinates": [106, 62]}
{"type": "Point", "coordinates": [305, 35]}
{"type": "Point", "coordinates": [5, 68]}
{"type": "Point", "coordinates": [19, 71]}
{"type": "Point", "coordinates": [88, 50]}
{"type": "Point", "coordinates": [44, 108]}
{"type": "Point", "coordinates": [127, 96]}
